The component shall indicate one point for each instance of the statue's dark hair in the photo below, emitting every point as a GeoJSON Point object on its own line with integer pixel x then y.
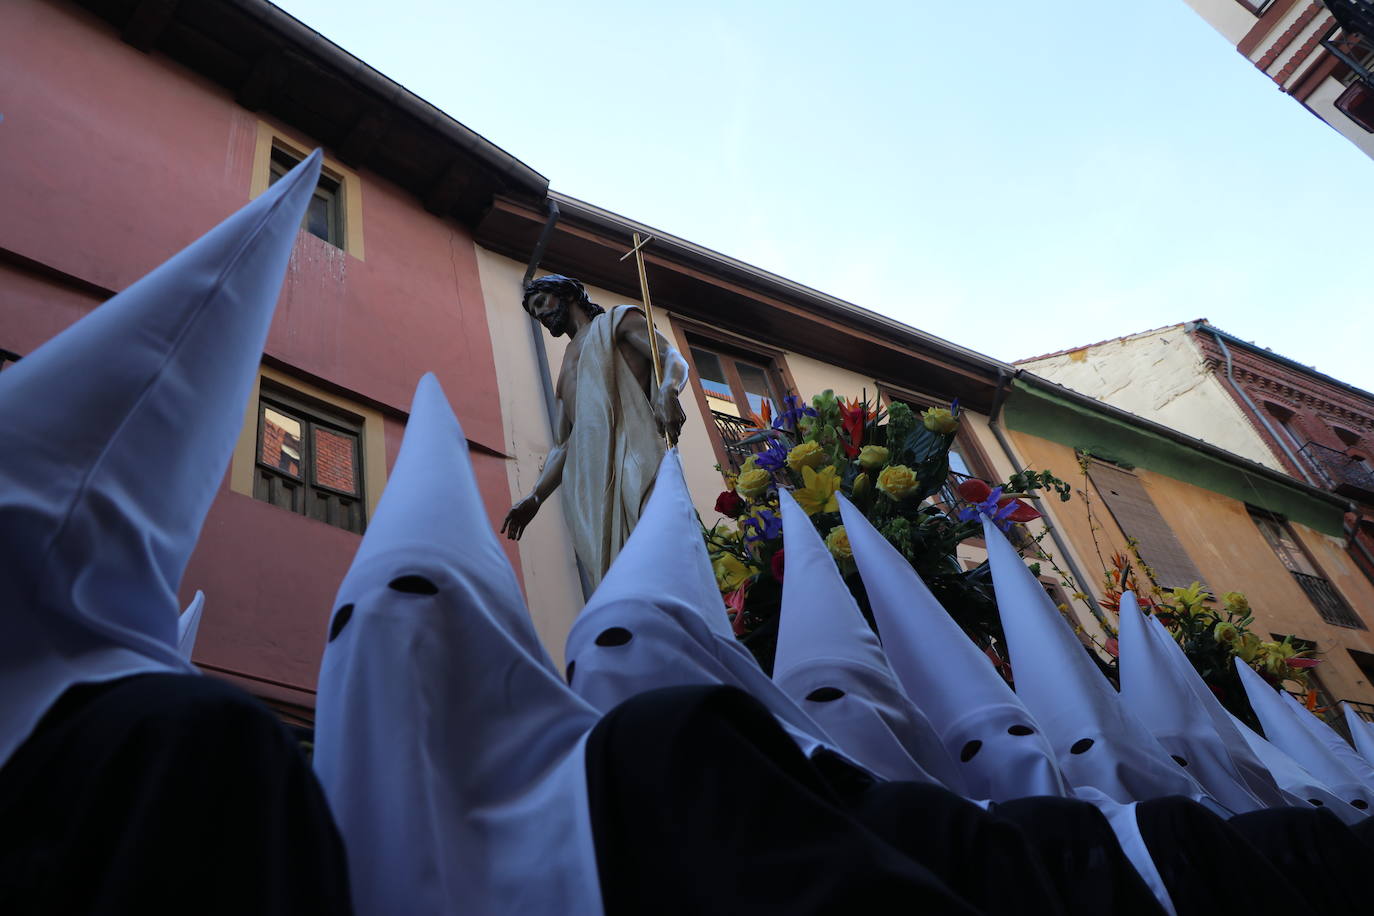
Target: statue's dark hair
{"type": "Point", "coordinates": [565, 288]}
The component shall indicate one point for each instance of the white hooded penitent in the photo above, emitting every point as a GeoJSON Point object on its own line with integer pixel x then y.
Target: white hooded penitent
{"type": "Point", "coordinates": [451, 751]}
{"type": "Point", "coordinates": [1287, 732]}
{"type": "Point", "coordinates": [188, 625]}
{"type": "Point", "coordinates": [1258, 779]}
{"type": "Point", "coordinates": [1297, 782]}
{"type": "Point", "coordinates": [1153, 689]}
{"type": "Point", "coordinates": [1328, 736]}
{"type": "Point", "coordinates": [657, 619]}
{"type": "Point", "coordinates": [1099, 743]}
{"type": "Point", "coordinates": [1361, 732]}
{"type": "Point", "coordinates": [829, 661]}
{"type": "Point", "coordinates": [982, 724]}
{"type": "Point", "coordinates": [100, 504]}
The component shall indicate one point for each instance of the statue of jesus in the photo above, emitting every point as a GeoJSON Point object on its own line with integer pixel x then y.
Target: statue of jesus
{"type": "Point", "coordinates": [611, 419]}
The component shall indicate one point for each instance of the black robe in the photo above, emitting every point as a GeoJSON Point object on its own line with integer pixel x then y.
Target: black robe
{"type": "Point", "coordinates": [165, 793]}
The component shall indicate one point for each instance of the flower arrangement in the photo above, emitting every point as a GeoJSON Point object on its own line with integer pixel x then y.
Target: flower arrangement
{"type": "Point", "coordinates": [1212, 633]}
{"type": "Point", "coordinates": [894, 466]}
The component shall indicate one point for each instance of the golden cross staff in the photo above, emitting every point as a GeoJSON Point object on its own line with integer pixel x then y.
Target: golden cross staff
{"type": "Point", "coordinates": [638, 252]}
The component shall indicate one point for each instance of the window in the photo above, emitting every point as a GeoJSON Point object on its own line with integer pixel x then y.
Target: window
{"type": "Point", "coordinates": [966, 460]}
{"type": "Point", "coordinates": [309, 461]}
{"type": "Point", "coordinates": [1330, 604]}
{"type": "Point", "coordinates": [324, 214]}
{"type": "Point", "coordinates": [1135, 514]}
{"type": "Point", "coordinates": [740, 390]}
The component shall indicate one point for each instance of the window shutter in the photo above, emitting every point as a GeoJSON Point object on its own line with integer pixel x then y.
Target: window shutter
{"type": "Point", "coordinates": [1136, 515]}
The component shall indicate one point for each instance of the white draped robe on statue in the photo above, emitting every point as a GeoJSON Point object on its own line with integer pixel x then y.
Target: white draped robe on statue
{"type": "Point", "coordinates": [614, 448]}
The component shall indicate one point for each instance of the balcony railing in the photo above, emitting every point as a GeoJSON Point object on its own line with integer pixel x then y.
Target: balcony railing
{"type": "Point", "coordinates": [1330, 605]}
{"type": "Point", "coordinates": [1343, 473]}
{"type": "Point", "coordinates": [732, 429]}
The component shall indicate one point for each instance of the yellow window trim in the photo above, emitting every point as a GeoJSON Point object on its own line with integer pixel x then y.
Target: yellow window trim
{"type": "Point", "coordinates": [243, 466]}
{"type": "Point", "coordinates": [350, 182]}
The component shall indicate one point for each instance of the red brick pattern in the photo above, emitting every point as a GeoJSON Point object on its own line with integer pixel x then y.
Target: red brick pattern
{"type": "Point", "coordinates": [274, 436]}
{"type": "Point", "coordinates": [334, 460]}
{"type": "Point", "coordinates": [1288, 35]}
{"type": "Point", "coordinates": [1304, 52]}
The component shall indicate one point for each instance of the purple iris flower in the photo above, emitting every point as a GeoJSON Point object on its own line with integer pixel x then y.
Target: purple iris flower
{"type": "Point", "coordinates": [764, 525]}
{"type": "Point", "coordinates": [772, 458]}
{"type": "Point", "coordinates": [998, 515]}
{"type": "Point", "coordinates": [793, 409]}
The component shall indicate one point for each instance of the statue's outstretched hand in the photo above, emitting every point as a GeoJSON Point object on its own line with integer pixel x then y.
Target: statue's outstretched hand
{"type": "Point", "coordinates": [668, 415]}
{"type": "Point", "coordinates": [519, 516]}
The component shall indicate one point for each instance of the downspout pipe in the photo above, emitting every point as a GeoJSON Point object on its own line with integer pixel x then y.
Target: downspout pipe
{"type": "Point", "coordinates": [998, 398]}
{"type": "Point", "coordinates": [541, 357]}
{"type": "Point", "coordinates": [1240, 392]}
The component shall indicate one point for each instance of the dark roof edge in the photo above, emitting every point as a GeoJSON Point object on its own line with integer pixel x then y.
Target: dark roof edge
{"type": "Point", "coordinates": [1210, 328]}
{"type": "Point", "coordinates": [503, 163]}
{"type": "Point", "coordinates": [1159, 429]}
{"type": "Point", "coordinates": [779, 285]}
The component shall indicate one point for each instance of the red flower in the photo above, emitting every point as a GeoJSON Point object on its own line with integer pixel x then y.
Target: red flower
{"type": "Point", "coordinates": [853, 417]}
{"type": "Point", "coordinates": [776, 565]}
{"type": "Point", "coordinates": [730, 503]}
{"type": "Point", "coordinates": [1112, 646]}
{"type": "Point", "coordinates": [977, 491]}
{"type": "Point", "coordinates": [1304, 662]}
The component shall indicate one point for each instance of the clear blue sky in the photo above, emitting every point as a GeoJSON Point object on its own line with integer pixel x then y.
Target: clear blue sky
{"type": "Point", "coordinates": [1015, 177]}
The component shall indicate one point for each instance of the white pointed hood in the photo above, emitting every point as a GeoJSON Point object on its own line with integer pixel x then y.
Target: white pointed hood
{"type": "Point", "coordinates": [1329, 737]}
{"type": "Point", "coordinates": [1295, 780]}
{"type": "Point", "coordinates": [451, 752]}
{"type": "Point", "coordinates": [1360, 733]}
{"type": "Point", "coordinates": [657, 618]}
{"type": "Point", "coordinates": [1098, 741]}
{"type": "Point", "coordinates": [1153, 689]}
{"type": "Point", "coordinates": [1288, 733]}
{"type": "Point", "coordinates": [1258, 779]}
{"type": "Point", "coordinates": [982, 724]}
{"type": "Point", "coordinates": [829, 661]}
{"type": "Point", "coordinates": [116, 435]}
{"type": "Point", "coordinates": [188, 626]}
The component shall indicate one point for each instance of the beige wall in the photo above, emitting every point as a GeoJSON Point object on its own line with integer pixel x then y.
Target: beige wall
{"type": "Point", "coordinates": [1226, 16]}
{"type": "Point", "coordinates": [1231, 554]}
{"type": "Point", "coordinates": [1160, 375]}
{"type": "Point", "coordinates": [1323, 103]}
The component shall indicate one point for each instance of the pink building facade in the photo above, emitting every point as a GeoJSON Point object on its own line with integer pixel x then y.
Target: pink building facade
{"type": "Point", "coordinates": [114, 154]}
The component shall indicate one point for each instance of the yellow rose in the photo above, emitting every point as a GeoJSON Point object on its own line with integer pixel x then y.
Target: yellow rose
{"type": "Point", "coordinates": [1236, 603]}
{"type": "Point", "coordinates": [806, 455]}
{"type": "Point", "coordinates": [940, 420]}
{"type": "Point", "coordinates": [1276, 665]}
{"type": "Point", "coordinates": [1225, 632]}
{"type": "Point", "coordinates": [730, 572]}
{"type": "Point", "coordinates": [1248, 647]}
{"type": "Point", "coordinates": [818, 495]}
{"type": "Point", "coordinates": [837, 541]}
{"type": "Point", "coordinates": [898, 481]}
{"type": "Point", "coordinates": [753, 482]}
{"type": "Point", "coordinates": [1191, 598]}
{"type": "Point", "coordinates": [872, 457]}
{"type": "Point", "coordinates": [860, 486]}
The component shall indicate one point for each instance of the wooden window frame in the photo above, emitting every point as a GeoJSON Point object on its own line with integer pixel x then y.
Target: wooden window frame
{"type": "Point", "coordinates": [312, 413]}
{"type": "Point", "coordinates": [688, 333]}
{"type": "Point", "coordinates": [330, 189]}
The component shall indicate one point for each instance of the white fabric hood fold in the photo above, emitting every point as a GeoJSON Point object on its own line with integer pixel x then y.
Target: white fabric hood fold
{"type": "Point", "coordinates": [117, 432]}
{"type": "Point", "coordinates": [830, 662]}
{"type": "Point", "coordinates": [657, 618]}
{"type": "Point", "coordinates": [1300, 785]}
{"type": "Point", "coordinates": [1153, 689]}
{"type": "Point", "coordinates": [1258, 779]}
{"type": "Point", "coordinates": [188, 626]}
{"type": "Point", "coordinates": [1098, 741]}
{"type": "Point", "coordinates": [1287, 732]}
{"type": "Point", "coordinates": [1360, 732]}
{"type": "Point", "coordinates": [451, 751]}
{"type": "Point", "coordinates": [1328, 736]}
{"type": "Point", "coordinates": [1001, 751]}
